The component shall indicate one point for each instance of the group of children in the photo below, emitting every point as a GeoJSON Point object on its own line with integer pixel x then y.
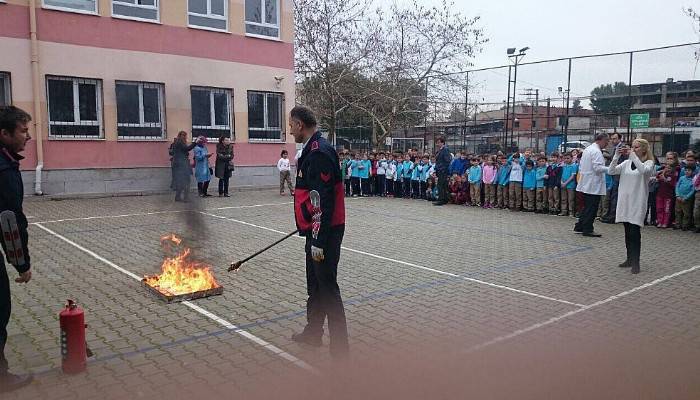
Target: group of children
{"type": "Point", "coordinates": [520, 182]}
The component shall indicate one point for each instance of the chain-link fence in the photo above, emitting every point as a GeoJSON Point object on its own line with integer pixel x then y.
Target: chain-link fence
{"type": "Point", "coordinates": [559, 104]}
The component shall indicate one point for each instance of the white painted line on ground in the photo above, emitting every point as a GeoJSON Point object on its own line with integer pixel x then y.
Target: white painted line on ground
{"type": "Point", "coordinates": [156, 213]}
{"type": "Point", "coordinates": [228, 325]}
{"type": "Point", "coordinates": [90, 252]}
{"type": "Point", "coordinates": [408, 264]}
{"type": "Point", "coordinates": [580, 310]}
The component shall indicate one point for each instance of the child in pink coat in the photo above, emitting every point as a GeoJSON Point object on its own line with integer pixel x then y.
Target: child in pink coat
{"type": "Point", "coordinates": [489, 177]}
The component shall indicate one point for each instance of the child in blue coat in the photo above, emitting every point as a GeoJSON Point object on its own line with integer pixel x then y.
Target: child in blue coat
{"type": "Point", "coordinates": [529, 186]}
{"type": "Point", "coordinates": [475, 183]}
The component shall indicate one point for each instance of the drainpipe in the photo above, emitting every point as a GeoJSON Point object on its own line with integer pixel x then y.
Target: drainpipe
{"type": "Point", "coordinates": [36, 82]}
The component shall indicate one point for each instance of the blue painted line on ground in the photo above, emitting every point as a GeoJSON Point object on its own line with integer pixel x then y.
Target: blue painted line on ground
{"type": "Point", "coordinates": [355, 301]}
{"type": "Point", "coordinates": [468, 227]}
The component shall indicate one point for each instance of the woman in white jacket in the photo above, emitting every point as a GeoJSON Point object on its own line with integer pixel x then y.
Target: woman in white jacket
{"type": "Point", "coordinates": [633, 195]}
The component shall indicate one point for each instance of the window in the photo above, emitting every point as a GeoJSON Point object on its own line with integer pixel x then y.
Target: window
{"type": "Point", "coordinates": [140, 10]}
{"type": "Point", "coordinates": [5, 89]}
{"type": "Point", "coordinates": [140, 110]}
{"type": "Point", "coordinates": [83, 6]}
{"type": "Point", "coordinates": [211, 112]}
{"type": "Point", "coordinates": [75, 107]}
{"type": "Point", "coordinates": [208, 14]}
{"type": "Point", "coordinates": [265, 116]}
{"type": "Point", "coordinates": [262, 18]}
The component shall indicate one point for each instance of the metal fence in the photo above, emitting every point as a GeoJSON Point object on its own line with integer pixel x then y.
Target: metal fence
{"type": "Point", "coordinates": [652, 94]}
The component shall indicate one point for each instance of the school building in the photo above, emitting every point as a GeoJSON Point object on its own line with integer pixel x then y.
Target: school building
{"type": "Point", "coordinates": [110, 83]}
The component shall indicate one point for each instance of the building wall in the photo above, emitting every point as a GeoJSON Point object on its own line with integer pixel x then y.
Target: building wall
{"type": "Point", "coordinates": [170, 53]}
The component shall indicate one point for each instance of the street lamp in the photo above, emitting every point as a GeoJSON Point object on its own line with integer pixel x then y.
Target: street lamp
{"type": "Point", "coordinates": [673, 114]}
{"type": "Point", "coordinates": [515, 57]}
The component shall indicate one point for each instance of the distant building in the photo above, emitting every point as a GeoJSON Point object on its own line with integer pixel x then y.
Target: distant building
{"type": "Point", "coordinates": [668, 103]}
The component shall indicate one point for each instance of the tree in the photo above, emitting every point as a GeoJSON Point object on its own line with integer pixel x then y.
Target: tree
{"type": "Point", "coordinates": [611, 99]}
{"type": "Point", "coordinates": [333, 43]}
{"type": "Point", "coordinates": [696, 26]}
{"type": "Point", "coordinates": [421, 49]}
{"type": "Point", "coordinates": [576, 107]}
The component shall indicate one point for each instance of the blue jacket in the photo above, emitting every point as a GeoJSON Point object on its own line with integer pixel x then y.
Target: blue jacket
{"type": "Point", "coordinates": [407, 169]}
{"type": "Point", "coordinates": [503, 177]}
{"type": "Point", "coordinates": [568, 171]}
{"type": "Point", "coordinates": [609, 182]}
{"type": "Point", "coordinates": [459, 166]}
{"type": "Point", "coordinates": [684, 188]}
{"type": "Point", "coordinates": [416, 172]}
{"type": "Point", "coordinates": [529, 178]}
{"type": "Point", "coordinates": [355, 170]}
{"type": "Point", "coordinates": [475, 174]}
{"type": "Point", "coordinates": [424, 172]}
{"type": "Point", "coordinates": [399, 170]}
{"type": "Point", "coordinates": [201, 166]}
{"type": "Point", "coordinates": [364, 173]}
{"type": "Point", "coordinates": [541, 172]}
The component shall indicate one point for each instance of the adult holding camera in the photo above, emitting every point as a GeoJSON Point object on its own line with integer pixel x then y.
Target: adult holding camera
{"type": "Point", "coordinates": [633, 194]}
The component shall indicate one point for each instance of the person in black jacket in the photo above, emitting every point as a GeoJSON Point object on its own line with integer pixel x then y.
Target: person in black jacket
{"type": "Point", "coordinates": [442, 167]}
{"type": "Point", "coordinates": [181, 167]}
{"type": "Point", "coordinates": [14, 134]}
{"type": "Point", "coordinates": [319, 170]}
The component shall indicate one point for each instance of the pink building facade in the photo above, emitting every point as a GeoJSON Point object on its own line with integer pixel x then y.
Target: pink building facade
{"type": "Point", "coordinates": [110, 83]}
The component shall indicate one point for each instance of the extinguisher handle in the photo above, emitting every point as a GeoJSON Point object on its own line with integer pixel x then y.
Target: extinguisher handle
{"type": "Point", "coordinates": [70, 304]}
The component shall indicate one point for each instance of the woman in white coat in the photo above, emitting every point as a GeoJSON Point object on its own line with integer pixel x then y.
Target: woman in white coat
{"type": "Point", "coordinates": [632, 196]}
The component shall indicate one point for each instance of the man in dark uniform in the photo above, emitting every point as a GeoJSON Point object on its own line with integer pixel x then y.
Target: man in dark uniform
{"type": "Point", "coordinates": [318, 169]}
{"type": "Point", "coordinates": [442, 166]}
{"type": "Point", "coordinates": [14, 134]}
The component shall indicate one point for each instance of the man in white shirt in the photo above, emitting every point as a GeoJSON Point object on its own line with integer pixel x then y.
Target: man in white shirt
{"type": "Point", "coordinates": [592, 168]}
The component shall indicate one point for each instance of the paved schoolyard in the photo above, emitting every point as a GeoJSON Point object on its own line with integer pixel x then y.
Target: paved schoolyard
{"type": "Point", "coordinates": [443, 302]}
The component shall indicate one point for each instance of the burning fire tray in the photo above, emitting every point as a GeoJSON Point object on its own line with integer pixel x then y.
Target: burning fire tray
{"type": "Point", "coordinates": [174, 298]}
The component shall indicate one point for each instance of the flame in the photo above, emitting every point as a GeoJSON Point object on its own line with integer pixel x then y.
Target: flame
{"type": "Point", "coordinates": [179, 275]}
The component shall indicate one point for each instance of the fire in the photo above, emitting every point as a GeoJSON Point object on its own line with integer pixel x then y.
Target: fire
{"type": "Point", "coordinates": [179, 274]}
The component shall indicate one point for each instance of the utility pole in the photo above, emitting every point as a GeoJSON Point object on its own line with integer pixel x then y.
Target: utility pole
{"type": "Point", "coordinates": [549, 104]}
{"type": "Point", "coordinates": [534, 108]}
{"type": "Point", "coordinates": [507, 116]}
{"type": "Point", "coordinates": [516, 57]}
{"type": "Point", "coordinates": [466, 105]}
{"type": "Point", "coordinates": [537, 107]}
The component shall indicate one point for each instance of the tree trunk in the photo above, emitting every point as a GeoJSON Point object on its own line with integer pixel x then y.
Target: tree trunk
{"type": "Point", "coordinates": [374, 142]}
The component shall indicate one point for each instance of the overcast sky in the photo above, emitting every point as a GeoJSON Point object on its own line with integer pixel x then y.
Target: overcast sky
{"type": "Point", "coordinates": [560, 28]}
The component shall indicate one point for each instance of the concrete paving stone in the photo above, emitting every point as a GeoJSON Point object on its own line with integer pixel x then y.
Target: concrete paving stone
{"type": "Point", "coordinates": [391, 306]}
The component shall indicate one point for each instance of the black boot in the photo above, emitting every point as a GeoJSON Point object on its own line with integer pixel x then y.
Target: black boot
{"type": "Point", "coordinates": [625, 264]}
{"type": "Point", "coordinates": [11, 382]}
{"type": "Point", "coordinates": [635, 268]}
{"type": "Point", "coordinates": [308, 339]}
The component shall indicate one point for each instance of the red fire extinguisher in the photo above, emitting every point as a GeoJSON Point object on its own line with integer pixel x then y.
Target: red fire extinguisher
{"type": "Point", "coordinates": [73, 348]}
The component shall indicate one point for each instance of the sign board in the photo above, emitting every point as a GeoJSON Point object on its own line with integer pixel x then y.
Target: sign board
{"type": "Point", "coordinates": [639, 121]}
{"type": "Point", "coordinates": [388, 141]}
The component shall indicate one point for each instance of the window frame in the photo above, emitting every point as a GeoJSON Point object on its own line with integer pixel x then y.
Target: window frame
{"type": "Point", "coordinates": [264, 24]}
{"type": "Point", "coordinates": [73, 10]}
{"type": "Point", "coordinates": [7, 77]}
{"type": "Point", "coordinates": [152, 21]}
{"type": "Point", "coordinates": [212, 110]}
{"type": "Point", "coordinates": [142, 123]}
{"type": "Point", "coordinates": [282, 138]}
{"type": "Point", "coordinates": [210, 15]}
{"type": "Point", "coordinates": [76, 108]}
